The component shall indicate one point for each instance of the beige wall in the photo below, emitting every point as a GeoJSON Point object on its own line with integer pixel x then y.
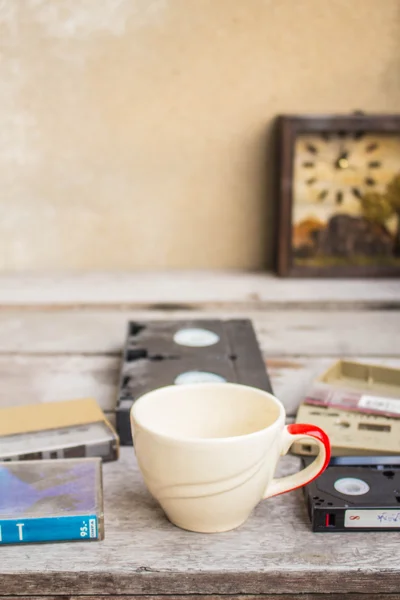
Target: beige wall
{"type": "Point", "coordinates": [136, 133]}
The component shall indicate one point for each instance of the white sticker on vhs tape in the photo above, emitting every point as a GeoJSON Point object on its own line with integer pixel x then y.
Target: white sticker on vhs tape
{"type": "Point", "coordinates": [372, 518]}
{"type": "Point", "coordinates": [380, 403]}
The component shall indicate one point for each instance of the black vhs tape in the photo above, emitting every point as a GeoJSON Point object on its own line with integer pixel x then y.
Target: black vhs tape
{"type": "Point", "coordinates": [356, 493]}
{"type": "Point", "coordinates": [161, 353]}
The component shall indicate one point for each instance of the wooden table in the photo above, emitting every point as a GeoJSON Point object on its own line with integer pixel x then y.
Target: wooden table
{"type": "Point", "coordinates": [61, 337]}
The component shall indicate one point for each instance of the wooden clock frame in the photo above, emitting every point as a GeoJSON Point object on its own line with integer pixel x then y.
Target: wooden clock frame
{"type": "Point", "coordinates": [289, 127]}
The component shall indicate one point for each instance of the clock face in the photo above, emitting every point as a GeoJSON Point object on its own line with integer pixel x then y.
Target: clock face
{"type": "Point", "coordinates": [341, 210]}
{"type": "Point", "coordinates": [332, 172]}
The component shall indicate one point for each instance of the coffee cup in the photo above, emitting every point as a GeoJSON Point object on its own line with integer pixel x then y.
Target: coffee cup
{"type": "Point", "coordinates": [208, 451]}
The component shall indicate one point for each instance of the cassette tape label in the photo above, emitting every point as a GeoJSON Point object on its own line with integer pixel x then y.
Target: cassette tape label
{"type": "Point", "coordinates": [93, 528]}
{"type": "Point", "coordinates": [372, 518]}
{"type": "Point", "coordinates": [380, 403]}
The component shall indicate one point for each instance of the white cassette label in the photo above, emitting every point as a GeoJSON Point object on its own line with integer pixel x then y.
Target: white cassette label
{"type": "Point", "coordinates": [380, 403]}
{"type": "Point", "coordinates": [92, 528]}
{"type": "Point", "coordinates": [372, 518]}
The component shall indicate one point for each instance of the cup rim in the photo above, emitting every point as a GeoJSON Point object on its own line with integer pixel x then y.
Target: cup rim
{"type": "Point", "coordinates": [201, 440]}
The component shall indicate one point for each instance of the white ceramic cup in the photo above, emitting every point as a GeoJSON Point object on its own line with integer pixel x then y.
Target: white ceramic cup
{"type": "Point", "coordinates": [208, 451]}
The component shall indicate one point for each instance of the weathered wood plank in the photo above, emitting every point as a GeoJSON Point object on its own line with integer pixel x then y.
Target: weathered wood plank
{"type": "Point", "coordinates": [381, 584]}
{"type": "Point", "coordinates": [293, 596]}
{"type": "Point", "coordinates": [273, 553]}
{"type": "Point", "coordinates": [27, 379]}
{"type": "Point", "coordinates": [281, 333]}
{"type": "Point", "coordinates": [188, 287]}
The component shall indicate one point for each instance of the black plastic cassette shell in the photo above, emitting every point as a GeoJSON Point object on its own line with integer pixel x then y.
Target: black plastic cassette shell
{"type": "Point", "coordinates": [152, 359]}
{"type": "Point", "coordinates": [326, 506]}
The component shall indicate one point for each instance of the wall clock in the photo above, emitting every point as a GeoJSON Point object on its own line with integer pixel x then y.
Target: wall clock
{"type": "Point", "coordinates": [339, 195]}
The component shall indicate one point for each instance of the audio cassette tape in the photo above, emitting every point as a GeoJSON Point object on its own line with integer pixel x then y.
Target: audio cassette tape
{"type": "Point", "coordinates": [66, 429]}
{"type": "Point", "coordinates": [359, 387]}
{"type": "Point", "coordinates": [51, 501]}
{"type": "Point", "coordinates": [161, 353]}
{"type": "Point", "coordinates": [350, 433]}
{"type": "Point", "coordinates": [355, 494]}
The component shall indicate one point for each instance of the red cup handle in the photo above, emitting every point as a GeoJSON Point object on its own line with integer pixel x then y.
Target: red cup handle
{"type": "Point", "coordinates": [291, 434]}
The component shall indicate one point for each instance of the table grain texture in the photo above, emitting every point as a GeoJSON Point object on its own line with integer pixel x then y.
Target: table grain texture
{"type": "Point", "coordinates": [61, 337]}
